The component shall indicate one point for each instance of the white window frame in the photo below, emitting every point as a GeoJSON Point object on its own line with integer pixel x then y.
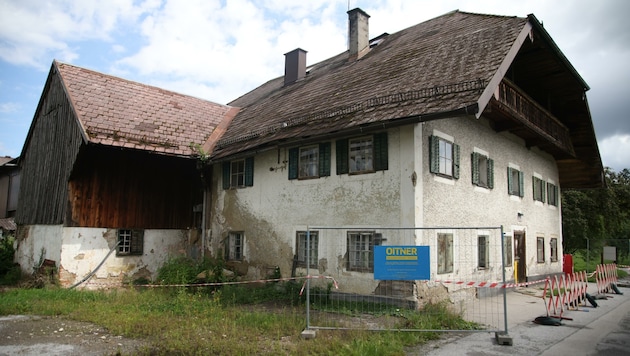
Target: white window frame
{"type": "Point", "coordinates": [538, 188]}
{"type": "Point", "coordinates": [553, 247]}
{"type": "Point", "coordinates": [445, 253]}
{"type": "Point", "coordinates": [552, 194]}
{"type": "Point", "coordinates": [308, 162]}
{"type": "Point", "coordinates": [483, 251]}
{"type": "Point", "coordinates": [508, 252]}
{"type": "Point", "coordinates": [361, 154]}
{"type": "Point", "coordinates": [482, 169]}
{"type": "Point", "coordinates": [300, 248]}
{"type": "Point", "coordinates": [540, 249]}
{"type": "Point", "coordinates": [237, 173]}
{"type": "Point", "coordinates": [130, 242]}
{"type": "Point", "coordinates": [235, 246]}
{"type": "Point", "coordinates": [515, 181]}
{"type": "Point", "coordinates": [361, 251]}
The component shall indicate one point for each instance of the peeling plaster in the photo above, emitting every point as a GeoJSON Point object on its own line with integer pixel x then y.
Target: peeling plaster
{"type": "Point", "coordinates": [78, 251]}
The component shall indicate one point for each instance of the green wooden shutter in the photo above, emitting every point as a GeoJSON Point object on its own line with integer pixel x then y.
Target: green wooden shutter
{"type": "Point", "coordinates": [249, 171]}
{"type": "Point", "coordinates": [293, 162]}
{"type": "Point", "coordinates": [380, 152]}
{"type": "Point", "coordinates": [434, 154]}
{"type": "Point", "coordinates": [543, 194]}
{"type": "Point", "coordinates": [324, 159]}
{"type": "Point", "coordinates": [490, 173]}
{"type": "Point", "coordinates": [521, 184]}
{"type": "Point", "coordinates": [455, 161]}
{"type": "Point", "coordinates": [510, 183]}
{"type": "Point", "coordinates": [534, 187]}
{"type": "Point", "coordinates": [474, 160]}
{"type": "Point", "coordinates": [342, 156]}
{"type": "Point", "coordinates": [137, 242]}
{"type": "Point", "coordinates": [226, 175]}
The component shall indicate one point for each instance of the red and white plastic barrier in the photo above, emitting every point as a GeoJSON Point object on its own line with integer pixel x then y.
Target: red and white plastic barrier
{"type": "Point", "coordinates": [488, 284]}
{"type": "Point", "coordinates": [566, 291]}
{"type": "Point", "coordinates": [605, 276]}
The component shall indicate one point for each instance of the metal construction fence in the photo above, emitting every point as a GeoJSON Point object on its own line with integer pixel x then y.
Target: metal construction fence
{"type": "Point", "coordinates": [463, 275]}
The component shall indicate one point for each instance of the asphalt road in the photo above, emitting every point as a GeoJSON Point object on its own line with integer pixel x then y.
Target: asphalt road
{"type": "Point", "coordinates": [604, 330]}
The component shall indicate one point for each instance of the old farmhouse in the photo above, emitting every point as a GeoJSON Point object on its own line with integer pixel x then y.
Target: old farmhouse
{"type": "Point", "coordinates": [462, 120]}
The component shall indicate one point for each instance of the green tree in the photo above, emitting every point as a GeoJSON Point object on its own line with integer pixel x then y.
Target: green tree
{"type": "Point", "coordinates": [601, 216]}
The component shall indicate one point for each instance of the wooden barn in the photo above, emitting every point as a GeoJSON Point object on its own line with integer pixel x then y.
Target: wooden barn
{"type": "Point", "coordinates": [110, 165]}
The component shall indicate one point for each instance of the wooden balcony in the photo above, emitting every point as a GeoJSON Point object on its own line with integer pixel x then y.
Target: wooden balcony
{"type": "Point", "coordinates": [514, 111]}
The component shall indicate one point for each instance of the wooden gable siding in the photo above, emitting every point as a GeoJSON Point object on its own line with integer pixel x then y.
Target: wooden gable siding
{"type": "Point", "coordinates": [116, 188]}
{"type": "Point", "coordinates": [47, 159]}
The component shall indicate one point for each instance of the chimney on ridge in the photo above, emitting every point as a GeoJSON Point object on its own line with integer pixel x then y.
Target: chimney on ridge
{"type": "Point", "coordinates": [294, 66]}
{"type": "Point", "coordinates": [358, 34]}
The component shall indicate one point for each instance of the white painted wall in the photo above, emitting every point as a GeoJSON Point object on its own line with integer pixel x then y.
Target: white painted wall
{"type": "Point", "coordinates": [460, 203]}
{"type": "Point", "coordinates": [78, 251]}
{"type": "Point", "coordinates": [36, 243]}
{"type": "Point", "coordinates": [270, 212]}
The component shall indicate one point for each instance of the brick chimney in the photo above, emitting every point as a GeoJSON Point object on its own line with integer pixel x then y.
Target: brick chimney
{"type": "Point", "coordinates": [294, 66]}
{"type": "Point", "coordinates": [358, 34]}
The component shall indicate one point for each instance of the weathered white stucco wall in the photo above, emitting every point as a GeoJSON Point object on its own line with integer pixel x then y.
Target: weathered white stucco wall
{"type": "Point", "coordinates": [450, 202]}
{"type": "Point", "coordinates": [78, 251]}
{"type": "Point", "coordinates": [36, 243]}
{"type": "Point", "coordinates": [275, 208]}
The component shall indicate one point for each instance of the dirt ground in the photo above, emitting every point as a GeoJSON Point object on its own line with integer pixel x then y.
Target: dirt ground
{"type": "Point", "coordinates": [34, 335]}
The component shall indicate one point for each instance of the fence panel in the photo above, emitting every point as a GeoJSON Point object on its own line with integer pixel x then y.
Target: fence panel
{"type": "Point", "coordinates": [465, 277]}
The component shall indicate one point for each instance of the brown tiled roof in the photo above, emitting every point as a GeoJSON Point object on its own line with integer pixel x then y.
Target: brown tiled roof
{"type": "Point", "coordinates": [122, 113]}
{"type": "Point", "coordinates": [437, 66]}
{"type": "Point", "coordinates": [7, 224]}
{"type": "Point", "coordinates": [4, 160]}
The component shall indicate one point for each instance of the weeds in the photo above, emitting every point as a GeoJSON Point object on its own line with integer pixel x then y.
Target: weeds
{"type": "Point", "coordinates": [10, 272]}
{"type": "Point", "coordinates": [234, 319]}
{"type": "Point", "coordinates": [185, 322]}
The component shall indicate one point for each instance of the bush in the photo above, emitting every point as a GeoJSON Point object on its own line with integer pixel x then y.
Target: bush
{"type": "Point", "coordinates": [10, 272]}
{"type": "Point", "coordinates": [185, 270]}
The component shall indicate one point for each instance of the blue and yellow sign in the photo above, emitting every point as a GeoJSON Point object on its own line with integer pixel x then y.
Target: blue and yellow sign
{"type": "Point", "coordinates": [401, 263]}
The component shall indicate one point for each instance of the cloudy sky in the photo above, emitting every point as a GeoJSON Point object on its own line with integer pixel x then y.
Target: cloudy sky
{"type": "Point", "coordinates": [218, 50]}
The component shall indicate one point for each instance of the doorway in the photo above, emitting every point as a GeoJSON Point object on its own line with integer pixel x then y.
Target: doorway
{"type": "Point", "coordinates": [519, 256]}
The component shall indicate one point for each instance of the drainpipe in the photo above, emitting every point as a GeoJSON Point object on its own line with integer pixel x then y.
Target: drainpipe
{"type": "Point", "coordinates": [203, 223]}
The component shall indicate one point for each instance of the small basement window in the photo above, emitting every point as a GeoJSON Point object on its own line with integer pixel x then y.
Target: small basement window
{"type": "Point", "coordinates": [234, 246]}
{"type": "Point", "coordinates": [130, 242]}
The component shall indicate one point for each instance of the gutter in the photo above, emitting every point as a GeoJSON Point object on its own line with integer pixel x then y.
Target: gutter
{"type": "Point", "coordinates": [468, 110]}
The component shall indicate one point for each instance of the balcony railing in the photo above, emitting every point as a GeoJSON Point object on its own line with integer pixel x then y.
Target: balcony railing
{"type": "Point", "coordinates": [534, 116]}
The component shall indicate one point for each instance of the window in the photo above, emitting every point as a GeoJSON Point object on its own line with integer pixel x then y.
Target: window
{"type": "Point", "coordinates": [482, 170]}
{"type": "Point", "coordinates": [362, 154]}
{"type": "Point", "coordinates": [540, 254]}
{"type": "Point", "coordinates": [507, 251]}
{"type": "Point", "coordinates": [554, 249]}
{"type": "Point", "coordinates": [552, 194]}
{"type": "Point", "coordinates": [309, 161]}
{"type": "Point", "coordinates": [483, 252]}
{"type": "Point", "coordinates": [515, 182]}
{"type": "Point", "coordinates": [234, 246]}
{"type": "Point", "coordinates": [539, 189]}
{"type": "Point", "coordinates": [238, 173]}
{"type": "Point", "coordinates": [302, 247]}
{"type": "Point", "coordinates": [361, 251]}
{"type": "Point", "coordinates": [445, 253]}
{"type": "Point", "coordinates": [444, 157]}
{"type": "Point", "coordinates": [130, 242]}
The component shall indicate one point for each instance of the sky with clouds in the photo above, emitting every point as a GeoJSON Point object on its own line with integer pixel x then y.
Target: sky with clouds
{"type": "Point", "coordinates": [219, 50]}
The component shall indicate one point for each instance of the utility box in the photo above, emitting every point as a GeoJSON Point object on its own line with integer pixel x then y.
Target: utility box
{"type": "Point", "coordinates": [567, 264]}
